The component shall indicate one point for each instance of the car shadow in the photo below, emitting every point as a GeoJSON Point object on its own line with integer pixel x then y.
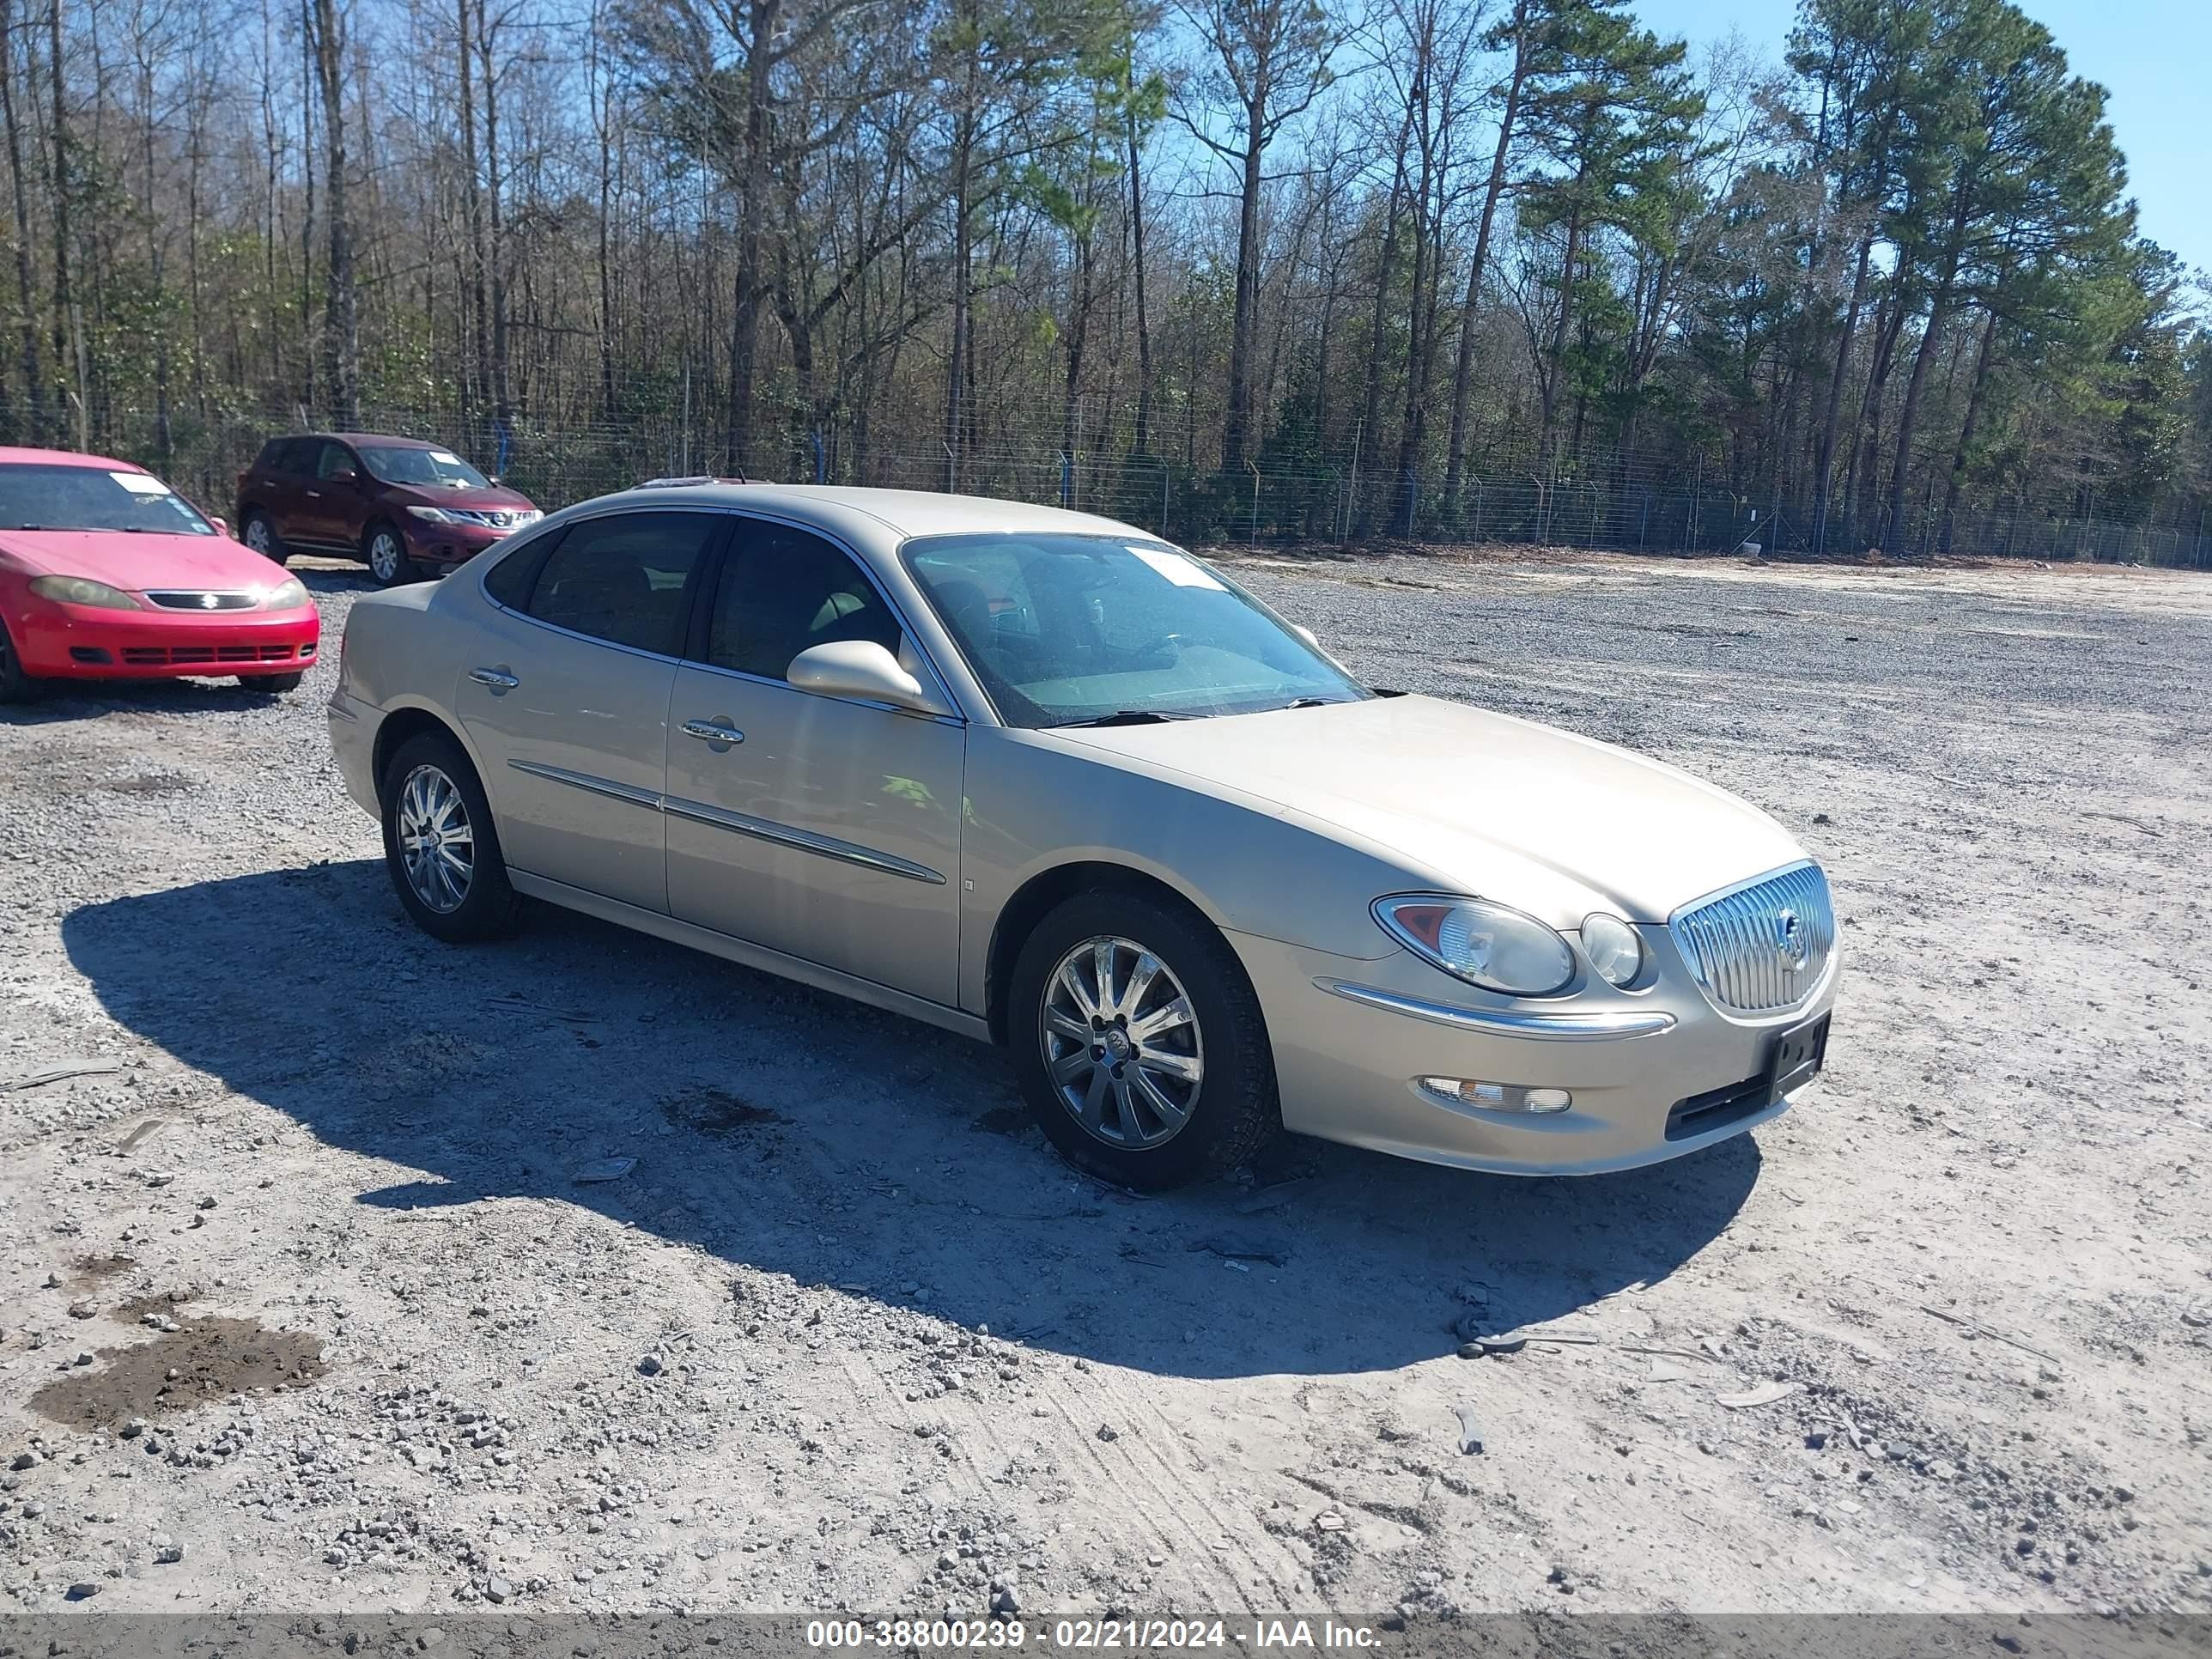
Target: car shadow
{"type": "Point", "coordinates": [795, 1132]}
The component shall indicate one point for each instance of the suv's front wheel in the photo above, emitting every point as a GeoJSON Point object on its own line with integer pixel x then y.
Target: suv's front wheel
{"type": "Point", "coordinates": [1138, 1041]}
{"type": "Point", "coordinates": [385, 552]}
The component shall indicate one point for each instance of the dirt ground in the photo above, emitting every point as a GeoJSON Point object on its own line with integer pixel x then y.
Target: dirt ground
{"type": "Point", "coordinates": [304, 1303]}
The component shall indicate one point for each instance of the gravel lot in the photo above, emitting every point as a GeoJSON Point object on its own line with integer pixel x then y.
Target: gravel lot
{"type": "Point", "coordinates": [303, 1304]}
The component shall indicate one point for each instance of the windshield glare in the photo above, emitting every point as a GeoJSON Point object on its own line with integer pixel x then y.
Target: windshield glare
{"type": "Point", "coordinates": [40, 497]}
{"type": "Point", "coordinates": [429, 467]}
{"type": "Point", "coordinates": [1063, 629]}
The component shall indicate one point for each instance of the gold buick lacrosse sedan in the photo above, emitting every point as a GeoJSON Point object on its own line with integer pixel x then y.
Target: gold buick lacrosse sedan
{"type": "Point", "coordinates": [1042, 779]}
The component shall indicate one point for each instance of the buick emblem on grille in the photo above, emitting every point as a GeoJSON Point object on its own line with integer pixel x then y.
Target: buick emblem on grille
{"type": "Point", "coordinates": [211, 601]}
{"type": "Point", "coordinates": [1790, 941]}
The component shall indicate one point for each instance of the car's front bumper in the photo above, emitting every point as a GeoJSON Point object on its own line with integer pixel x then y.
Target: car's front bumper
{"type": "Point", "coordinates": [82, 642]}
{"type": "Point", "coordinates": [447, 547]}
{"type": "Point", "coordinates": [1351, 1037]}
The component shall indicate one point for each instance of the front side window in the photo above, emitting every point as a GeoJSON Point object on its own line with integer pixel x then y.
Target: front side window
{"type": "Point", "coordinates": [334, 458]}
{"type": "Point", "coordinates": [1064, 629]}
{"type": "Point", "coordinates": [785, 590]}
{"type": "Point", "coordinates": [426, 468]}
{"type": "Point", "coordinates": [624, 578]}
{"type": "Point", "coordinates": [40, 496]}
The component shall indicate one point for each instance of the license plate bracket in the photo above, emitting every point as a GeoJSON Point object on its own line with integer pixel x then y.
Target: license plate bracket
{"type": "Point", "coordinates": [1796, 1058]}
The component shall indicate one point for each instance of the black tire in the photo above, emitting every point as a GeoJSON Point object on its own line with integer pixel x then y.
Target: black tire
{"type": "Point", "coordinates": [255, 522]}
{"type": "Point", "coordinates": [16, 686]}
{"type": "Point", "coordinates": [1232, 1111]}
{"type": "Point", "coordinates": [271, 685]}
{"type": "Point", "coordinates": [490, 907]}
{"type": "Point", "coordinates": [399, 568]}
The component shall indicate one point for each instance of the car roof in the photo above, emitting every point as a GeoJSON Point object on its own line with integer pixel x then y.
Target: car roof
{"type": "Point", "coordinates": [17, 457]}
{"type": "Point", "coordinates": [907, 513]}
{"type": "Point", "coordinates": [385, 438]}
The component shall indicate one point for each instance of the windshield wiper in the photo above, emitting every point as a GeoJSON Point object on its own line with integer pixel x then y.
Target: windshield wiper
{"type": "Point", "coordinates": [1127, 717]}
{"type": "Point", "coordinates": [1312, 702]}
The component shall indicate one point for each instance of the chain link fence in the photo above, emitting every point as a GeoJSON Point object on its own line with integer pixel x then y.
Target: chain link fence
{"type": "Point", "coordinates": [1601, 502]}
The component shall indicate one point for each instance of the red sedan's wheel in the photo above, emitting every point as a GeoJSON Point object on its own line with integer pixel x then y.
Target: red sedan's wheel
{"type": "Point", "coordinates": [16, 686]}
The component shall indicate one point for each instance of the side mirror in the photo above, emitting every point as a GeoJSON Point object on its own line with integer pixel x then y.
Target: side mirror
{"type": "Point", "coordinates": [863, 671]}
{"type": "Point", "coordinates": [345, 475]}
{"type": "Point", "coordinates": [221, 525]}
{"type": "Point", "coordinates": [1308, 636]}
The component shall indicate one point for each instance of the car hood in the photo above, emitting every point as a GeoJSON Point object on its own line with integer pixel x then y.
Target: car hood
{"type": "Point", "coordinates": [135, 560]}
{"type": "Point", "coordinates": [496, 499]}
{"type": "Point", "coordinates": [1467, 801]}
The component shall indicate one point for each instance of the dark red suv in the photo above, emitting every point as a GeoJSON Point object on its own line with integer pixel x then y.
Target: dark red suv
{"type": "Point", "coordinates": [406, 509]}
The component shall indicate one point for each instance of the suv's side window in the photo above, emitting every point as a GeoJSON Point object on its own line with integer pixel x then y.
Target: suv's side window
{"type": "Point", "coordinates": [625, 577]}
{"type": "Point", "coordinates": [334, 459]}
{"type": "Point", "coordinates": [783, 590]}
{"type": "Point", "coordinates": [294, 455]}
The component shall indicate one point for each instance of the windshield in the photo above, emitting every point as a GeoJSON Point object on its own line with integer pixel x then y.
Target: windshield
{"type": "Point", "coordinates": [420, 467]}
{"type": "Point", "coordinates": [35, 496]}
{"type": "Point", "coordinates": [1063, 629]}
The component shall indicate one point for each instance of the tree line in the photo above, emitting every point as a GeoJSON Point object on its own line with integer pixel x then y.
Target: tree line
{"type": "Point", "coordinates": [1399, 247]}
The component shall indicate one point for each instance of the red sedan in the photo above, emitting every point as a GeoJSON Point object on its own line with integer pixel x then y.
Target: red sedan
{"type": "Point", "coordinates": [106, 573]}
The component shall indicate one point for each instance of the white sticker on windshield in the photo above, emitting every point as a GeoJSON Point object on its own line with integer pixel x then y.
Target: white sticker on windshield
{"type": "Point", "coordinates": [445, 459]}
{"type": "Point", "coordinates": [1180, 568]}
{"type": "Point", "coordinates": [139, 484]}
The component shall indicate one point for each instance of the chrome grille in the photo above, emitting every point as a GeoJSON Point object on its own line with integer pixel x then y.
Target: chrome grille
{"type": "Point", "coordinates": [1762, 948]}
{"type": "Point", "coordinates": [499, 519]}
{"type": "Point", "coordinates": [196, 599]}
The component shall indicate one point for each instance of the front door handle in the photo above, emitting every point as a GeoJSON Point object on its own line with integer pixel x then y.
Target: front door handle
{"type": "Point", "coordinates": [718, 732]}
{"type": "Point", "coordinates": [498, 679]}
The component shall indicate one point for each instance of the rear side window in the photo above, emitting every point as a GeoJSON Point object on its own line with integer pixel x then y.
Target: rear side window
{"type": "Point", "coordinates": [271, 458]}
{"type": "Point", "coordinates": [784, 591]}
{"type": "Point", "coordinates": [625, 577]}
{"type": "Point", "coordinates": [509, 580]}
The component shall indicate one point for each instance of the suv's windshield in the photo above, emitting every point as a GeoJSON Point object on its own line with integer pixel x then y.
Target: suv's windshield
{"type": "Point", "coordinates": [1066, 629]}
{"type": "Point", "coordinates": [35, 495]}
{"type": "Point", "coordinates": [420, 467]}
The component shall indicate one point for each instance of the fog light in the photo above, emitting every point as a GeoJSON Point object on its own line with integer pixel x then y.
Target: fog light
{"type": "Point", "coordinates": [1465, 1092]}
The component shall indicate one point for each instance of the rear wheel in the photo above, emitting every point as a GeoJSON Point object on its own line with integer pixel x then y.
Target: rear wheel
{"type": "Point", "coordinates": [271, 685]}
{"type": "Point", "coordinates": [386, 551]}
{"type": "Point", "coordinates": [258, 533]}
{"type": "Point", "coordinates": [1139, 1042]}
{"type": "Point", "coordinates": [440, 846]}
{"type": "Point", "coordinates": [16, 686]}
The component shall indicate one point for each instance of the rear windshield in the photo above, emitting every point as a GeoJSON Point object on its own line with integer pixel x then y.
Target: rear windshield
{"type": "Point", "coordinates": [37, 496]}
{"type": "Point", "coordinates": [398, 466]}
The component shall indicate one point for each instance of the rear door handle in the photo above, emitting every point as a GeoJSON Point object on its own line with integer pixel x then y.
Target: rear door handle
{"type": "Point", "coordinates": [718, 733]}
{"type": "Point", "coordinates": [497, 679]}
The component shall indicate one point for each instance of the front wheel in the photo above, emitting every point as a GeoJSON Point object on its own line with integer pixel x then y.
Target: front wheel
{"type": "Point", "coordinates": [16, 686]}
{"type": "Point", "coordinates": [1138, 1041]}
{"type": "Point", "coordinates": [385, 552]}
{"type": "Point", "coordinates": [440, 846]}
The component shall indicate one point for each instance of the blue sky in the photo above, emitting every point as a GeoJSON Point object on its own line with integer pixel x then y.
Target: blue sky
{"type": "Point", "coordinates": [2151, 55]}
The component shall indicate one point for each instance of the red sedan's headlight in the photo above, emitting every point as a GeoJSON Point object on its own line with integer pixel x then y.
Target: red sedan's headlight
{"type": "Point", "coordinates": [287, 595]}
{"type": "Point", "coordinates": [83, 590]}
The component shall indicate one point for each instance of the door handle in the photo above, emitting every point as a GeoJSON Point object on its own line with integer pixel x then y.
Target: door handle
{"type": "Point", "coordinates": [718, 733]}
{"type": "Point", "coordinates": [316, 494]}
{"type": "Point", "coordinates": [498, 679]}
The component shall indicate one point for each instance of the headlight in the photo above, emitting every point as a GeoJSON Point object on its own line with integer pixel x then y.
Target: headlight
{"type": "Point", "coordinates": [287, 595]}
{"type": "Point", "coordinates": [83, 590]}
{"type": "Point", "coordinates": [1615, 949]}
{"type": "Point", "coordinates": [1481, 943]}
{"type": "Point", "coordinates": [434, 515]}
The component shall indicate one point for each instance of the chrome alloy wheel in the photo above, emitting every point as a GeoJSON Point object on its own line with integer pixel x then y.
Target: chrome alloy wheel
{"type": "Point", "coordinates": [436, 842]}
{"type": "Point", "coordinates": [385, 557]}
{"type": "Point", "coordinates": [1121, 1043]}
{"type": "Point", "coordinates": [259, 538]}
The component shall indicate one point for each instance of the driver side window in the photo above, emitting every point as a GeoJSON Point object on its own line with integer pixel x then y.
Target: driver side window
{"type": "Point", "coordinates": [334, 458]}
{"type": "Point", "coordinates": [783, 591]}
